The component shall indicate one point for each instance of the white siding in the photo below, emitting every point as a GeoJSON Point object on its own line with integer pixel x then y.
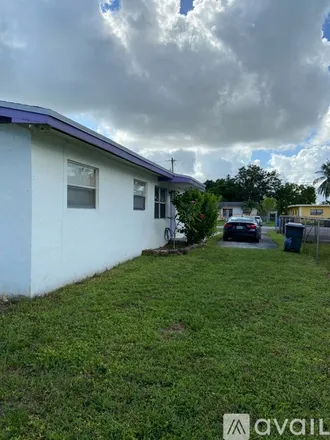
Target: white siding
{"type": "Point", "coordinates": [15, 211]}
{"type": "Point", "coordinates": [237, 210]}
{"type": "Point", "coordinates": [70, 244]}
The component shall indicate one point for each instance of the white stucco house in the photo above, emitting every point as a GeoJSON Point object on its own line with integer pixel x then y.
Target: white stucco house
{"type": "Point", "coordinates": [73, 202]}
{"type": "Point", "coordinates": [229, 209]}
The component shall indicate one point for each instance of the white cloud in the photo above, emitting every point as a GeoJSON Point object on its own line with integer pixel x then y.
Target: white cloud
{"type": "Point", "coordinates": [230, 76]}
{"type": "Point", "coordinates": [323, 134]}
{"type": "Point", "coordinates": [301, 167]}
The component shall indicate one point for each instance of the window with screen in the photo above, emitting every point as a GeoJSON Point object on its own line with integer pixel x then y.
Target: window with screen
{"type": "Point", "coordinates": [139, 197]}
{"type": "Point", "coordinates": [81, 186]}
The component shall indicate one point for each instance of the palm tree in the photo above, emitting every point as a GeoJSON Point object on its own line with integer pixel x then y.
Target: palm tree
{"type": "Point", "coordinates": [323, 179]}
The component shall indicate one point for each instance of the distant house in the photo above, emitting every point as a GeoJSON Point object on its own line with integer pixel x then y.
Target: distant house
{"type": "Point", "coordinates": [73, 202]}
{"type": "Point", "coordinates": [228, 209]}
{"type": "Point", "coordinates": [316, 211]}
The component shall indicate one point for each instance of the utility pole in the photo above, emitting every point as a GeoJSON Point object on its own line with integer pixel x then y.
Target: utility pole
{"type": "Point", "coordinates": [172, 164]}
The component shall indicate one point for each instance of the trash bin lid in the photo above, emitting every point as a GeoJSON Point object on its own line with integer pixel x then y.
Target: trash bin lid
{"type": "Point", "coordinates": [295, 225]}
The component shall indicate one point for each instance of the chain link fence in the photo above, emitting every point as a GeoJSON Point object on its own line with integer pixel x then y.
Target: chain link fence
{"type": "Point", "coordinates": [316, 236]}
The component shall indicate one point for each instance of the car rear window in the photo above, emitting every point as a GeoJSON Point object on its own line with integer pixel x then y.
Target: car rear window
{"type": "Point", "coordinates": [242, 219]}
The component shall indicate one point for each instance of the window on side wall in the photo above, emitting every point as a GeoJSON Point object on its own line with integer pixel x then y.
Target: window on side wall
{"type": "Point", "coordinates": [316, 212]}
{"type": "Point", "coordinates": [81, 186]}
{"type": "Point", "coordinates": [139, 197]}
{"type": "Point", "coordinates": [160, 202]}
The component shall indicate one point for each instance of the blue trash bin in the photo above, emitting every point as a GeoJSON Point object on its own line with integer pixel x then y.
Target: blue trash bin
{"type": "Point", "coordinates": [293, 236]}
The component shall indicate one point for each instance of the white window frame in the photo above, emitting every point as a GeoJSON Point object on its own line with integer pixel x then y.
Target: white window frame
{"type": "Point", "coordinates": [159, 203]}
{"type": "Point", "coordinates": [88, 188]}
{"type": "Point", "coordinates": [144, 196]}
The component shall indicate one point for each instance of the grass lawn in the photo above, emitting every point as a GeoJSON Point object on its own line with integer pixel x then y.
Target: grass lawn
{"type": "Point", "coordinates": [270, 223]}
{"type": "Point", "coordinates": [161, 348]}
{"type": "Point", "coordinates": [309, 249]}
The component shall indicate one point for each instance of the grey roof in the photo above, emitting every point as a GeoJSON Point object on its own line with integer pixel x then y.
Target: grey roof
{"type": "Point", "coordinates": [231, 204]}
{"type": "Point", "coordinates": [14, 113]}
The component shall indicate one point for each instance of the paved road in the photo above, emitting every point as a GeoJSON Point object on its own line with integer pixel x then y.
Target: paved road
{"type": "Point", "coordinates": [265, 243]}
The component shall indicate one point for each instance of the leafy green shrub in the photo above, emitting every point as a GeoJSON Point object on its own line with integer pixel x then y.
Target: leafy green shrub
{"type": "Point", "coordinates": [198, 212]}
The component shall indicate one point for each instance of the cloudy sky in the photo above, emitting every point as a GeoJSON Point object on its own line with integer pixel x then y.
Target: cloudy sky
{"type": "Point", "coordinates": [214, 83]}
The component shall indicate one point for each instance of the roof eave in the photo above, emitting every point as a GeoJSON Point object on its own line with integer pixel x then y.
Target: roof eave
{"type": "Point", "coordinates": [23, 117]}
{"type": "Point", "coordinates": [18, 116]}
{"type": "Point", "coordinates": [21, 114]}
{"type": "Point", "coordinates": [185, 180]}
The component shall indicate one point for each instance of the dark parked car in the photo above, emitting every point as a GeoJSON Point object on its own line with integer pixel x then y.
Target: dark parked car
{"type": "Point", "coordinates": [242, 227]}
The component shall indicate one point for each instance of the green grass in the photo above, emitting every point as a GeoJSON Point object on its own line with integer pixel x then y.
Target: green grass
{"type": "Point", "coordinates": [160, 348]}
{"type": "Point", "coordinates": [310, 250]}
{"type": "Point", "coordinates": [324, 253]}
{"type": "Point", "coordinates": [270, 223]}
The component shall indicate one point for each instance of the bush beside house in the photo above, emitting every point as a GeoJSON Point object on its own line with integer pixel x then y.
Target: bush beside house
{"type": "Point", "coordinates": [198, 212]}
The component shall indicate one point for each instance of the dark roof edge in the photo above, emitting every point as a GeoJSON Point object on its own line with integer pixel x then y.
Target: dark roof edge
{"type": "Point", "coordinates": [25, 114]}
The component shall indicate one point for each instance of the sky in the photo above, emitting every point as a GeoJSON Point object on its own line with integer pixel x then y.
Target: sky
{"type": "Point", "coordinates": [216, 84]}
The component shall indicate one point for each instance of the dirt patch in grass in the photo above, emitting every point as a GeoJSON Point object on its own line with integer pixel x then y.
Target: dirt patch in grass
{"type": "Point", "coordinates": [7, 304]}
{"type": "Point", "coordinates": [169, 250]}
{"type": "Point", "coordinates": [174, 328]}
{"type": "Point", "coordinates": [4, 306]}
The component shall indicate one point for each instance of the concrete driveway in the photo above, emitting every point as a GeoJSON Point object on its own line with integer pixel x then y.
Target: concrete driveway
{"type": "Point", "coordinates": [265, 243]}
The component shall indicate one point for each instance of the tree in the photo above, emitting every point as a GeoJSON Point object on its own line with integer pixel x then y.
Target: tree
{"type": "Point", "coordinates": [225, 187]}
{"type": "Point", "coordinates": [255, 183]}
{"type": "Point", "coordinates": [249, 205]}
{"type": "Point", "coordinates": [252, 185]}
{"type": "Point", "coordinates": [293, 194]}
{"type": "Point", "coordinates": [268, 205]}
{"type": "Point", "coordinates": [324, 179]}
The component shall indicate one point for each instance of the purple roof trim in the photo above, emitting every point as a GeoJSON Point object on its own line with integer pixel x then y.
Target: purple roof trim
{"type": "Point", "coordinates": [179, 178]}
{"type": "Point", "coordinates": [23, 117]}
{"type": "Point", "coordinates": [24, 114]}
{"type": "Point", "coordinates": [107, 146]}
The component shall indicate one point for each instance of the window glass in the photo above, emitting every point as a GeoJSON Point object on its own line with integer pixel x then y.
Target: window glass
{"type": "Point", "coordinates": [139, 188]}
{"type": "Point", "coordinates": [139, 203]}
{"type": "Point", "coordinates": [162, 195]}
{"type": "Point", "coordinates": [81, 186]}
{"type": "Point", "coordinates": [81, 175]}
{"type": "Point", "coordinates": [81, 197]}
{"type": "Point", "coordinates": [160, 202]}
{"type": "Point", "coordinates": [162, 210]}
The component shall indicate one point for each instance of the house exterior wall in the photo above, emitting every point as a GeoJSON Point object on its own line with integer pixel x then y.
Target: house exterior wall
{"type": "Point", "coordinates": [294, 211]}
{"type": "Point", "coordinates": [305, 211]}
{"type": "Point", "coordinates": [71, 244]}
{"type": "Point", "coordinates": [15, 202]}
{"type": "Point", "coordinates": [237, 210]}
